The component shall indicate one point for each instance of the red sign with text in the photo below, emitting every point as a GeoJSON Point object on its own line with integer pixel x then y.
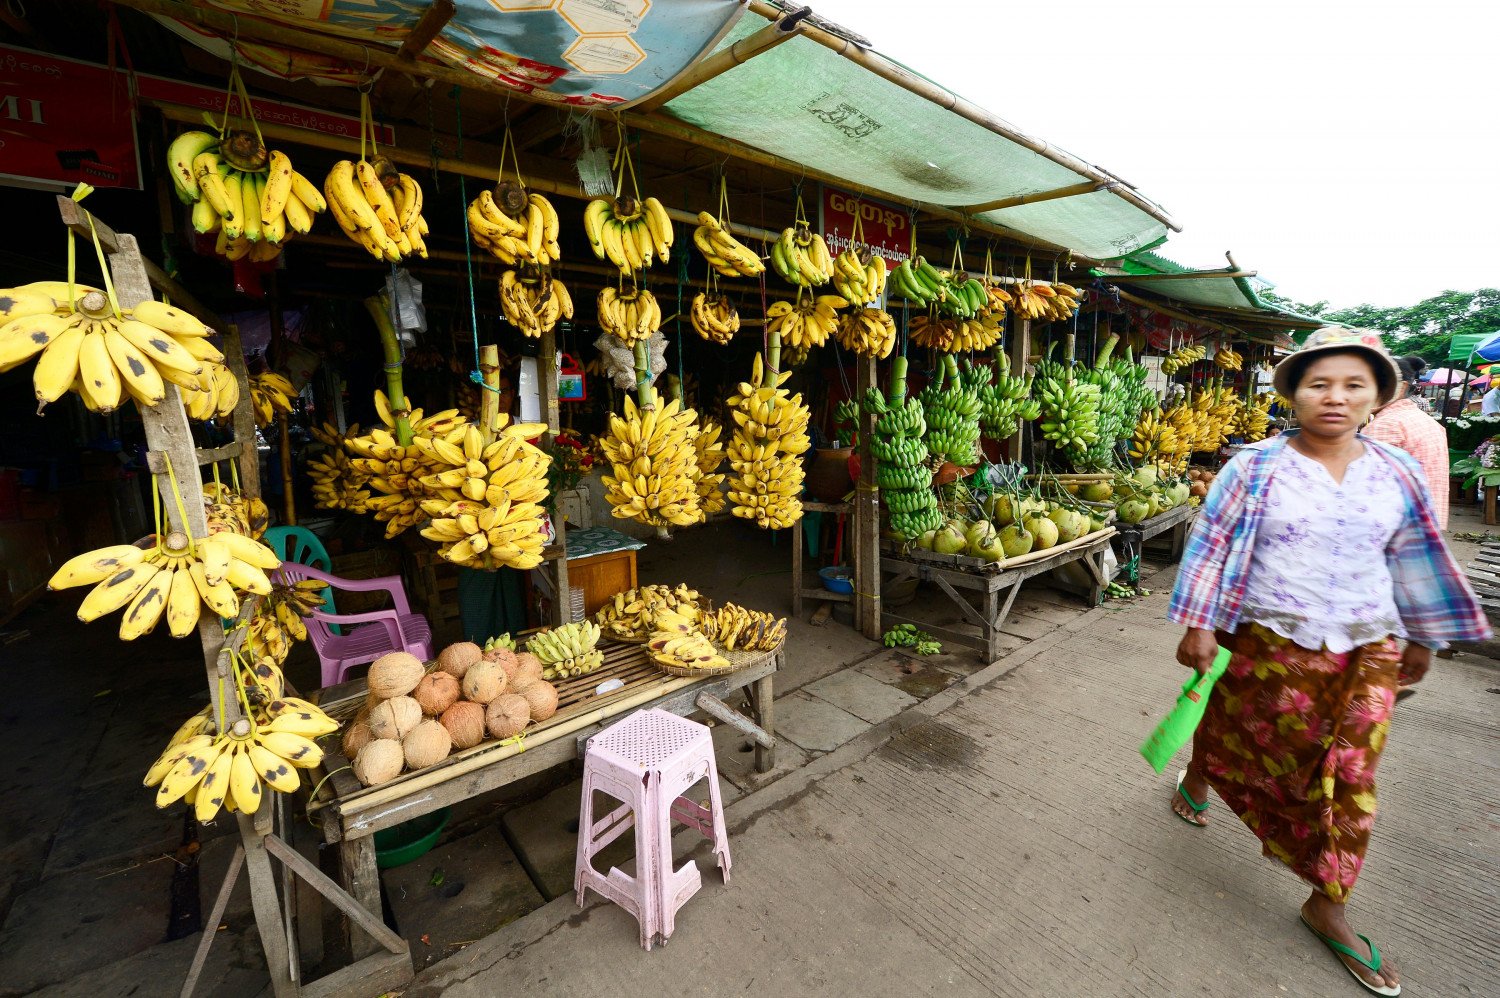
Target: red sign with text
{"type": "Point", "coordinates": [885, 227]}
{"type": "Point", "coordinates": [63, 122]}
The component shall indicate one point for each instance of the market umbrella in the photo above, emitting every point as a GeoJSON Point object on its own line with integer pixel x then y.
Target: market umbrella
{"type": "Point", "coordinates": [1483, 381]}
{"type": "Point", "coordinates": [1487, 348]}
{"type": "Point", "coordinates": [1444, 376]}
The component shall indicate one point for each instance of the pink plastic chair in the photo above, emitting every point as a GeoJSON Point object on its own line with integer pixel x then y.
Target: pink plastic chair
{"type": "Point", "coordinates": [366, 636]}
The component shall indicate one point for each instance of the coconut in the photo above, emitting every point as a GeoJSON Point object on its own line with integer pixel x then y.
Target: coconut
{"type": "Point", "coordinates": [1043, 531]}
{"type": "Point", "coordinates": [1097, 491]}
{"type": "Point", "coordinates": [426, 745]}
{"type": "Point", "coordinates": [1069, 527]}
{"type": "Point", "coordinates": [1132, 510]}
{"type": "Point", "coordinates": [395, 675]}
{"type": "Point", "coordinates": [507, 714]}
{"type": "Point", "coordinates": [393, 718]}
{"type": "Point", "coordinates": [436, 692]}
{"type": "Point", "coordinates": [465, 724]}
{"type": "Point", "coordinates": [1198, 489]}
{"type": "Point", "coordinates": [505, 658]}
{"type": "Point", "coordinates": [1002, 509]}
{"type": "Point", "coordinates": [456, 658]}
{"type": "Point", "coordinates": [528, 668]}
{"type": "Point", "coordinates": [1016, 540]}
{"type": "Point", "coordinates": [989, 547]}
{"type": "Point", "coordinates": [379, 762]}
{"type": "Point", "coordinates": [484, 681]}
{"type": "Point", "coordinates": [950, 538]}
{"type": "Point", "coordinates": [542, 697]}
{"type": "Point", "coordinates": [356, 737]}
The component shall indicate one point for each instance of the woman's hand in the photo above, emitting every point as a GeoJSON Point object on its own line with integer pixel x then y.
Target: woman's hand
{"type": "Point", "coordinates": [1198, 648]}
{"type": "Point", "coordinates": [1415, 661]}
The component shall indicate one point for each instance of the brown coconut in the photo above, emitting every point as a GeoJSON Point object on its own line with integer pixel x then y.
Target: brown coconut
{"type": "Point", "coordinates": [505, 658]}
{"type": "Point", "coordinates": [484, 681]}
{"type": "Point", "coordinates": [426, 745]}
{"type": "Point", "coordinates": [395, 675]}
{"type": "Point", "coordinates": [528, 668]}
{"type": "Point", "coordinates": [542, 697]}
{"type": "Point", "coordinates": [379, 762]}
{"type": "Point", "coordinates": [465, 724]}
{"type": "Point", "coordinates": [356, 737]}
{"type": "Point", "coordinates": [507, 714]}
{"type": "Point", "coordinates": [393, 718]}
{"type": "Point", "coordinates": [436, 692]}
{"type": "Point", "coordinates": [456, 658]}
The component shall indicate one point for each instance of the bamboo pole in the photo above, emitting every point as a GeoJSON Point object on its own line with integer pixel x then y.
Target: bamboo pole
{"type": "Point", "coordinates": [489, 395]}
{"type": "Point", "coordinates": [390, 341]}
{"type": "Point", "coordinates": [781, 29]}
{"type": "Point", "coordinates": [1072, 190]}
{"type": "Point", "coordinates": [1191, 276]}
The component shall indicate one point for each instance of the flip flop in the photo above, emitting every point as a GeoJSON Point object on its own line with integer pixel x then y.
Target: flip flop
{"type": "Point", "coordinates": [1197, 808]}
{"type": "Point", "coordinates": [1372, 964]}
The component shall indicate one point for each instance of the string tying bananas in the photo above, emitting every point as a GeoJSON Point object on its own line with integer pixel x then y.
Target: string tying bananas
{"type": "Point", "coordinates": [515, 226]}
{"type": "Point", "coordinates": [869, 332]}
{"type": "Point", "coordinates": [860, 281]}
{"type": "Point", "coordinates": [253, 199]}
{"type": "Point", "coordinates": [751, 630]}
{"type": "Point", "coordinates": [488, 505]}
{"type": "Point", "coordinates": [654, 465]}
{"type": "Point", "coordinates": [806, 323]}
{"type": "Point", "coordinates": [378, 207]}
{"type": "Point", "coordinates": [534, 301]}
{"type": "Point", "coordinates": [765, 452]}
{"type": "Point", "coordinates": [801, 257]}
{"type": "Point", "coordinates": [716, 319]}
{"type": "Point", "coordinates": [631, 615]}
{"type": "Point", "coordinates": [629, 233]}
{"type": "Point", "coordinates": [724, 253]}
{"type": "Point", "coordinates": [270, 393]}
{"type": "Point", "coordinates": [630, 315]}
{"type": "Point", "coordinates": [567, 651]}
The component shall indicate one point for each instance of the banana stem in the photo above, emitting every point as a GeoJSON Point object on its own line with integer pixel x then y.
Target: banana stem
{"type": "Point", "coordinates": [379, 308]}
{"type": "Point", "coordinates": [773, 354]}
{"type": "Point", "coordinates": [1107, 349]}
{"type": "Point", "coordinates": [898, 381]}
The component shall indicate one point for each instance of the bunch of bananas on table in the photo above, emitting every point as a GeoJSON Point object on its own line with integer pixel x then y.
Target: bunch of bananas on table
{"type": "Point", "coordinates": [678, 643]}
{"type": "Point", "coordinates": [629, 233]}
{"type": "Point", "coordinates": [277, 621]}
{"type": "Point", "coordinates": [631, 615]}
{"type": "Point", "coordinates": [1229, 359]}
{"type": "Point", "coordinates": [716, 319]}
{"type": "Point", "coordinates": [710, 450]}
{"type": "Point", "coordinates": [101, 352]}
{"type": "Point", "coordinates": [901, 470]}
{"type": "Point", "coordinates": [231, 770]}
{"type": "Point", "coordinates": [501, 642]}
{"type": "Point", "coordinates": [862, 282]}
{"type": "Point", "coordinates": [950, 406]}
{"type": "Point", "coordinates": [567, 651]}
{"type": "Point", "coordinates": [175, 578]}
{"type": "Point", "coordinates": [1070, 409]}
{"type": "Point", "coordinates": [869, 332]}
{"type": "Point", "coordinates": [1182, 357]}
{"type": "Point", "coordinates": [486, 500]}
{"type": "Point", "coordinates": [957, 335]}
{"type": "Point", "coordinates": [765, 453]}
{"type": "Point", "coordinates": [801, 257]}
{"type": "Point", "coordinates": [629, 315]}
{"type": "Point", "coordinates": [751, 630]}
{"type": "Point", "coordinates": [808, 322]}
{"type": "Point", "coordinates": [724, 253]}
{"type": "Point", "coordinates": [226, 508]}
{"type": "Point", "coordinates": [378, 207]}
{"type": "Point", "coordinates": [533, 301]}
{"type": "Point", "coordinates": [516, 227]}
{"type": "Point", "coordinates": [1006, 402]}
{"type": "Point", "coordinates": [270, 393]}
{"type": "Point", "coordinates": [252, 198]}
{"type": "Point", "coordinates": [653, 465]}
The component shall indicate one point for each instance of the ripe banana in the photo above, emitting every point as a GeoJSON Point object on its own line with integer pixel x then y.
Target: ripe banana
{"type": "Point", "coordinates": [378, 207]}
{"type": "Point", "coordinates": [765, 454]}
{"type": "Point", "coordinates": [654, 465]}
{"type": "Point", "coordinates": [629, 233]}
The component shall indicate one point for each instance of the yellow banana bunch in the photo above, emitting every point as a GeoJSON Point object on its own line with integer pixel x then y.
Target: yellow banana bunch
{"type": "Point", "coordinates": [567, 651]}
{"type": "Point", "coordinates": [251, 198]}
{"type": "Point", "coordinates": [710, 458]}
{"type": "Point", "coordinates": [751, 630]}
{"type": "Point", "coordinates": [277, 623]}
{"type": "Point", "coordinates": [217, 396]}
{"type": "Point", "coordinates": [862, 282]}
{"type": "Point", "coordinates": [630, 234]}
{"type": "Point", "coordinates": [1229, 359]}
{"type": "Point", "coordinates": [716, 320]}
{"type": "Point", "coordinates": [632, 615]}
{"type": "Point", "coordinates": [335, 482]}
{"type": "Point", "coordinates": [869, 332]}
{"type": "Point", "coordinates": [724, 253]}
{"type": "Point", "coordinates": [175, 579]}
{"type": "Point", "coordinates": [1182, 357]}
{"type": "Point", "coordinates": [685, 650]}
{"type": "Point", "coordinates": [231, 770]}
{"type": "Point", "coordinates": [765, 453]}
{"type": "Point", "coordinates": [270, 393]}
{"type": "Point", "coordinates": [516, 227]}
{"type": "Point", "coordinates": [806, 323]}
{"type": "Point", "coordinates": [229, 509]}
{"type": "Point", "coordinates": [394, 471]}
{"type": "Point", "coordinates": [654, 465]}
{"type": "Point", "coordinates": [801, 257]}
{"type": "Point", "coordinates": [629, 315]}
{"type": "Point", "coordinates": [378, 207]}
{"type": "Point", "coordinates": [1254, 417]}
{"type": "Point", "coordinates": [102, 352]}
{"type": "Point", "coordinates": [1155, 441]}
{"type": "Point", "coordinates": [533, 301]}
{"type": "Point", "coordinates": [957, 335]}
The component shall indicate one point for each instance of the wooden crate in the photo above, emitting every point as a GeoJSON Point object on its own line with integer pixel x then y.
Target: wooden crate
{"type": "Point", "coordinates": [600, 576]}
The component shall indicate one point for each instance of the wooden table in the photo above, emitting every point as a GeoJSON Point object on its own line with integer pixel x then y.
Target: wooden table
{"type": "Point", "coordinates": [1484, 576]}
{"type": "Point", "coordinates": [1133, 536]}
{"type": "Point", "coordinates": [351, 813]}
{"type": "Point", "coordinates": [800, 591]}
{"type": "Point", "coordinates": [956, 578]}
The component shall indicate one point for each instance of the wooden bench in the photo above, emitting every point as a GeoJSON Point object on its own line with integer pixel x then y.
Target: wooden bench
{"type": "Point", "coordinates": [1484, 576]}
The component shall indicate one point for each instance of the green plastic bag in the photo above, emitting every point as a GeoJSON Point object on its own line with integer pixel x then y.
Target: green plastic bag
{"type": "Point", "coordinates": [1178, 726]}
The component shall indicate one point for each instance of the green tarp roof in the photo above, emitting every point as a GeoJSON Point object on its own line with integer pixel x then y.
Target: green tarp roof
{"type": "Point", "coordinates": [1463, 344]}
{"type": "Point", "coordinates": [1212, 288]}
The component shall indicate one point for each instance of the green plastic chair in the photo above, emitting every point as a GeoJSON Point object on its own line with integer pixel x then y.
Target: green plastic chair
{"type": "Point", "coordinates": [303, 546]}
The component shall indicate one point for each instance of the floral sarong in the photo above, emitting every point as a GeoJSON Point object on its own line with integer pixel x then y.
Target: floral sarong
{"type": "Point", "coordinates": [1290, 741]}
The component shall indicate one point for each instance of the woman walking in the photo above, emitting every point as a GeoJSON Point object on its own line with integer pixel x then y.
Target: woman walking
{"type": "Point", "coordinates": [1314, 552]}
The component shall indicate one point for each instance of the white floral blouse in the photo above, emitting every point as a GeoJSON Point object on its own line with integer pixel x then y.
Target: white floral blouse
{"type": "Point", "coordinates": [1318, 573]}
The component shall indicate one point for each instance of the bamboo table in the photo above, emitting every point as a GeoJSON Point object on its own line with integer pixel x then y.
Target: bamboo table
{"type": "Point", "coordinates": [955, 575]}
{"type": "Point", "coordinates": [1133, 536]}
{"type": "Point", "coordinates": [351, 813]}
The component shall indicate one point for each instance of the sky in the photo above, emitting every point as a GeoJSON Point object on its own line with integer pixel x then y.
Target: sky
{"type": "Point", "coordinates": [1347, 151]}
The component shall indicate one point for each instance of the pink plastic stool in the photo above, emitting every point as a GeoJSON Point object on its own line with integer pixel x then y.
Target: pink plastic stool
{"type": "Point", "coordinates": [645, 762]}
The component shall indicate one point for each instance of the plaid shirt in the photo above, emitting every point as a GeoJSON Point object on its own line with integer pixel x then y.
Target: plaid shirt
{"type": "Point", "coordinates": [1403, 424]}
{"type": "Point", "coordinates": [1432, 595]}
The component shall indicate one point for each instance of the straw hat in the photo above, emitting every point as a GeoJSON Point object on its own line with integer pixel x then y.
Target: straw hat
{"type": "Point", "coordinates": [1335, 338]}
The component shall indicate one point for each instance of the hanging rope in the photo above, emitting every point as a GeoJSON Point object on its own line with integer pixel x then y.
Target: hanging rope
{"type": "Point", "coordinates": [476, 375]}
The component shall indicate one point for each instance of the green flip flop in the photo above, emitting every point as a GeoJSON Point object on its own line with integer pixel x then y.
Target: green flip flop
{"type": "Point", "coordinates": [1372, 964]}
{"type": "Point", "coordinates": [1197, 808]}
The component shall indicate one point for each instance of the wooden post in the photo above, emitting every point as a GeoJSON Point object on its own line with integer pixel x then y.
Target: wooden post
{"type": "Point", "coordinates": [1019, 349]}
{"type": "Point", "coordinates": [866, 517]}
{"type": "Point", "coordinates": [551, 412]}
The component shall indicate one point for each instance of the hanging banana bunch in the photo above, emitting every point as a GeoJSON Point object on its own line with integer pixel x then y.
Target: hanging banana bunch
{"type": "Point", "coordinates": [801, 256]}
{"type": "Point", "coordinates": [227, 508]}
{"type": "Point", "coordinates": [710, 459]}
{"type": "Point", "coordinates": [654, 470]}
{"type": "Point", "coordinates": [630, 232]}
{"type": "Point", "coordinates": [630, 315]}
{"type": "Point", "coordinates": [395, 471]}
{"type": "Point", "coordinates": [806, 323]}
{"type": "Point", "coordinates": [514, 225]}
{"type": "Point", "coordinates": [716, 319]}
{"type": "Point", "coordinates": [277, 623]}
{"type": "Point", "coordinates": [488, 501]}
{"type": "Point", "coordinates": [1006, 402]}
{"type": "Point", "coordinates": [270, 393]}
{"type": "Point", "coordinates": [1229, 359]}
{"type": "Point", "coordinates": [724, 253]}
{"type": "Point", "coordinates": [1183, 357]}
{"type": "Point", "coordinates": [859, 277]}
{"type": "Point", "coordinates": [765, 453]}
{"type": "Point", "coordinates": [869, 332]}
{"type": "Point", "coordinates": [376, 205]}
{"type": "Point", "coordinates": [957, 335]}
{"type": "Point", "coordinates": [533, 300]}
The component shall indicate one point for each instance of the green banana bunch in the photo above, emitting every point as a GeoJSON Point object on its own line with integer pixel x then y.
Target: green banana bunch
{"type": "Point", "coordinates": [1070, 409]}
{"type": "Point", "coordinates": [901, 456]}
{"type": "Point", "coordinates": [952, 412]}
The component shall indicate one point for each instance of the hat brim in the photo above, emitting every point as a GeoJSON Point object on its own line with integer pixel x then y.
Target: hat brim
{"type": "Point", "coordinates": [1380, 361]}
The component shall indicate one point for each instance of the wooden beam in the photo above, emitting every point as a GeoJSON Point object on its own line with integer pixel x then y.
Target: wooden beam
{"type": "Point", "coordinates": [1072, 190]}
{"type": "Point", "coordinates": [320, 881]}
{"type": "Point", "coordinates": [426, 29]}
{"type": "Point", "coordinates": [1192, 276]}
{"type": "Point", "coordinates": [781, 29]}
{"type": "Point", "coordinates": [1175, 313]}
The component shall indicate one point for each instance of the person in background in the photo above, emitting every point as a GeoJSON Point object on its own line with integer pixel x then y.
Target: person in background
{"type": "Point", "coordinates": [1402, 423]}
{"type": "Point", "coordinates": [1313, 552]}
{"type": "Point", "coordinates": [1490, 406]}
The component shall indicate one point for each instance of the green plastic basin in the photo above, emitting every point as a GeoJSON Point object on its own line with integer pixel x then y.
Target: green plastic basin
{"type": "Point", "coordinates": [400, 844]}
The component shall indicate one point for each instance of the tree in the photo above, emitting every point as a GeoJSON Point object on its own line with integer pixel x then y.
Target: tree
{"type": "Point", "coordinates": [1424, 329]}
